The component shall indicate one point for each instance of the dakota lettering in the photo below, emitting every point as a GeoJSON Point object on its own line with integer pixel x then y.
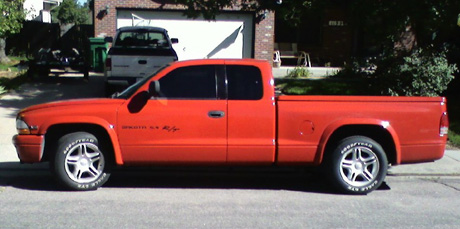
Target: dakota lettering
{"type": "Point", "coordinates": [134, 127]}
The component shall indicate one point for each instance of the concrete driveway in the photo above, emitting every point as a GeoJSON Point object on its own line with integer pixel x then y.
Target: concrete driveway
{"type": "Point", "coordinates": [36, 92]}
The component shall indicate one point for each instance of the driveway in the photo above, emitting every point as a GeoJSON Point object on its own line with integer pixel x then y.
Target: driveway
{"type": "Point", "coordinates": [37, 92]}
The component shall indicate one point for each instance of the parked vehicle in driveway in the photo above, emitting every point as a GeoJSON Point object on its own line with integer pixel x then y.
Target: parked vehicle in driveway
{"type": "Point", "coordinates": [136, 53]}
{"type": "Point", "coordinates": [225, 113]}
{"type": "Point", "coordinates": [47, 59]}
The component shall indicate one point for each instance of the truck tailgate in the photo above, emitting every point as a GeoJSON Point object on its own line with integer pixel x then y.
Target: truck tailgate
{"type": "Point", "coordinates": [138, 66]}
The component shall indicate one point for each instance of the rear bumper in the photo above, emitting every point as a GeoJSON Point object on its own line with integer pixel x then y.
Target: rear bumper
{"type": "Point", "coordinates": [422, 153]}
{"type": "Point", "coordinates": [29, 147]}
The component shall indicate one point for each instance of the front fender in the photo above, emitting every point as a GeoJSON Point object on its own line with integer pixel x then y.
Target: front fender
{"type": "Point", "coordinates": [333, 127]}
{"type": "Point", "coordinates": [108, 127]}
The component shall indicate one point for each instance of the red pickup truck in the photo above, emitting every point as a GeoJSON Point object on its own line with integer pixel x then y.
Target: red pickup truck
{"type": "Point", "coordinates": [225, 112]}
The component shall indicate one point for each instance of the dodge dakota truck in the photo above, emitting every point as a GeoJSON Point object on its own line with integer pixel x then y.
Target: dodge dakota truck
{"type": "Point", "coordinates": [225, 113]}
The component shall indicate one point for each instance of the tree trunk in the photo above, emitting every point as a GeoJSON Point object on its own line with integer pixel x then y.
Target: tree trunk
{"type": "Point", "coordinates": [3, 57]}
{"type": "Point", "coordinates": [407, 40]}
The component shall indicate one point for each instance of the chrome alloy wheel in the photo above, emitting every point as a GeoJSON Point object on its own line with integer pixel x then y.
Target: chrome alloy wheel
{"type": "Point", "coordinates": [84, 163]}
{"type": "Point", "coordinates": [359, 166]}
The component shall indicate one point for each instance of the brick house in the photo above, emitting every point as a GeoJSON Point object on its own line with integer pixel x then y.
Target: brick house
{"type": "Point", "coordinates": [234, 33]}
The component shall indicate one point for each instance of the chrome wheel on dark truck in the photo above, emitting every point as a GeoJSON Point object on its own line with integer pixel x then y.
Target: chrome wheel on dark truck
{"type": "Point", "coordinates": [78, 163]}
{"type": "Point", "coordinates": [358, 165]}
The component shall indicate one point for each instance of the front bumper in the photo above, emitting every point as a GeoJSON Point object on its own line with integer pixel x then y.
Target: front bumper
{"type": "Point", "coordinates": [29, 147]}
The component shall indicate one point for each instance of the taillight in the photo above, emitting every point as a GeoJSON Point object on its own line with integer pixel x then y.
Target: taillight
{"type": "Point", "coordinates": [444, 125]}
{"type": "Point", "coordinates": [108, 64]}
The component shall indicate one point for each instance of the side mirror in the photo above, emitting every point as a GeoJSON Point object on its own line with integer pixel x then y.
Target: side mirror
{"type": "Point", "coordinates": [108, 39]}
{"type": "Point", "coordinates": [174, 40]}
{"type": "Point", "coordinates": [154, 88]}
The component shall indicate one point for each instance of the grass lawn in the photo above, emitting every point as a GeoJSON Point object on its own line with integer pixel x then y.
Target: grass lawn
{"type": "Point", "coordinates": [453, 106]}
{"type": "Point", "coordinates": [10, 75]}
{"type": "Point", "coordinates": [329, 86]}
{"type": "Point", "coordinates": [361, 87]}
{"type": "Point", "coordinates": [13, 64]}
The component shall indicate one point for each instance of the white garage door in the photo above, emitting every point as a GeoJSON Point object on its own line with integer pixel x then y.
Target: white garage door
{"type": "Point", "coordinates": [229, 36]}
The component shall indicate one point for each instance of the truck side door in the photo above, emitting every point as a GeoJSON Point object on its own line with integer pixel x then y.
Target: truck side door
{"type": "Point", "coordinates": [251, 115]}
{"type": "Point", "coordinates": [186, 124]}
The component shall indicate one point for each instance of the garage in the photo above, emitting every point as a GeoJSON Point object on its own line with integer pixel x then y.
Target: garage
{"type": "Point", "coordinates": [231, 35]}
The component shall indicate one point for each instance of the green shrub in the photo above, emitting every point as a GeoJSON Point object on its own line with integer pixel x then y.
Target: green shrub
{"type": "Point", "coordinates": [2, 90]}
{"type": "Point", "coordinates": [421, 73]}
{"type": "Point", "coordinates": [299, 72]}
{"type": "Point", "coordinates": [356, 70]}
{"type": "Point", "coordinates": [322, 86]}
{"type": "Point", "coordinates": [454, 138]}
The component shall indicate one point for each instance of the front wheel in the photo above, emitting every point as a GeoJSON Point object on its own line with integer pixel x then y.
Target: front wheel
{"type": "Point", "coordinates": [358, 165]}
{"type": "Point", "coordinates": [78, 163]}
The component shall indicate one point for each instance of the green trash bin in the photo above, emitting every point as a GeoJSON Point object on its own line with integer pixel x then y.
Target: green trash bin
{"type": "Point", "coordinates": [98, 53]}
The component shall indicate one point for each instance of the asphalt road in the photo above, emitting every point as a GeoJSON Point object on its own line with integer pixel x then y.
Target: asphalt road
{"type": "Point", "coordinates": [220, 199]}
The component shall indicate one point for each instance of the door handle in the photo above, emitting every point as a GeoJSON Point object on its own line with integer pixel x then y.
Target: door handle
{"type": "Point", "coordinates": [142, 62]}
{"type": "Point", "coordinates": [216, 114]}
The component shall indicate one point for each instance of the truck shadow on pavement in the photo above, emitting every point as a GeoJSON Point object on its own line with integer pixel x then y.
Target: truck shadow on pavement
{"type": "Point", "coordinates": [312, 181]}
{"type": "Point", "coordinates": [27, 176]}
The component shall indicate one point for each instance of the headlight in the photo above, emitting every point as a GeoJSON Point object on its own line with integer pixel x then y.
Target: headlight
{"type": "Point", "coordinates": [22, 126]}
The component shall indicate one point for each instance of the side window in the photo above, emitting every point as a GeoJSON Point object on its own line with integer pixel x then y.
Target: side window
{"type": "Point", "coordinates": [244, 82]}
{"type": "Point", "coordinates": [193, 82]}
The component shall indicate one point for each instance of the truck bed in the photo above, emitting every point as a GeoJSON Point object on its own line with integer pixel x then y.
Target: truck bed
{"type": "Point", "coordinates": [305, 123]}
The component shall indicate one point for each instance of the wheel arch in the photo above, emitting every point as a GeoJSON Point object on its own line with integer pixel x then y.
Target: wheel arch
{"type": "Point", "coordinates": [106, 137]}
{"type": "Point", "coordinates": [379, 131]}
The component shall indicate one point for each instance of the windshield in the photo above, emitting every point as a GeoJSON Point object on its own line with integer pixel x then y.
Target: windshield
{"type": "Point", "coordinates": [128, 92]}
{"type": "Point", "coordinates": [142, 38]}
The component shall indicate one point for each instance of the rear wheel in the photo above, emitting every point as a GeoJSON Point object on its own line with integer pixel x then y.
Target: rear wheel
{"type": "Point", "coordinates": [79, 163]}
{"type": "Point", "coordinates": [358, 165]}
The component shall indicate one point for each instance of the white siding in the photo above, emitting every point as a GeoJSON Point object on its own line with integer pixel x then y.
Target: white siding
{"type": "Point", "coordinates": [35, 9]}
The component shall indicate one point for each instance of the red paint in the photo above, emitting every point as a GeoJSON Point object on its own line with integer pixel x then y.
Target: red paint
{"type": "Point", "coordinates": [285, 130]}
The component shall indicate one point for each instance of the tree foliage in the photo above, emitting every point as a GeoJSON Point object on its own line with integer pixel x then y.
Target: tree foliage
{"type": "Point", "coordinates": [420, 73]}
{"type": "Point", "coordinates": [413, 43]}
{"type": "Point", "coordinates": [70, 12]}
{"type": "Point", "coordinates": [210, 8]}
{"type": "Point", "coordinates": [10, 22]}
{"type": "Point", "coordinates": [386, 22]}
{"type": "Point", "coordinates": [12, 17]}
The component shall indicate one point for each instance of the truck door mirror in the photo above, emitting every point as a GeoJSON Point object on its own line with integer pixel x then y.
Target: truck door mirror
{"type": "Point", "coordinates": [174, 40]}
{"type": "Point", "coordinates": [154, 88]}
{"type": "Point", "coordinates": [138, 102]}
{"type": "Point", "coordinates": [108, 39]}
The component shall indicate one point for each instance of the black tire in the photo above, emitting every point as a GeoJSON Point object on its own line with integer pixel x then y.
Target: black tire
{"type": "Point", "coordinates": [32, 73]}
{"type": "Point", "coordinates": [86, 75]}
{"type": "Point", "coordinates": [38, 72]}
{"type": "Point", "coordinates": [78, 164]}
{"type": "Point", "coordinates": [358, 165]}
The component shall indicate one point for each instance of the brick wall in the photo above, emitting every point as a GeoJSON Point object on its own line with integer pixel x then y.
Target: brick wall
{"type": "Point", "coordinates": [264, 38]}
{"type": "Point", "coordinates": [105, 24]}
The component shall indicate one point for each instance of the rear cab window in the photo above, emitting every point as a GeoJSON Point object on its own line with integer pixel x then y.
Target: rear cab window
{"type": "Point", "coordinates": [244, 82]}
{"type": "Point", "coordinates": [141, 38]}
